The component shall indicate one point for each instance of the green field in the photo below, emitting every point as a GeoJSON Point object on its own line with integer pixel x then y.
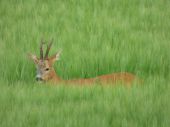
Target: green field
{"type": "Point", "coordinates": [97, 37]}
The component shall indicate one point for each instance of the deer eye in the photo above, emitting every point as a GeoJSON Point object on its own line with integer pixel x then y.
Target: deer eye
{"type": "Point", "coordinates": [47, 69]}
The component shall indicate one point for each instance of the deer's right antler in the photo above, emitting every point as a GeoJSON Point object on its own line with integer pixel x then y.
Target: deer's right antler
{"type": "Point", "coordinates": [48, 49]}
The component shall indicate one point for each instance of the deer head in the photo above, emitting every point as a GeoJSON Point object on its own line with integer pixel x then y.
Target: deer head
{"type": "Point", "coordinates": [44, 64]}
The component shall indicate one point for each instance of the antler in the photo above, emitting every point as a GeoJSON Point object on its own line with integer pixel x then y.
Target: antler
{"type": "Point", "coordinates": [41, 49]}
{"type": "Point", "coordinates": [48, 49]}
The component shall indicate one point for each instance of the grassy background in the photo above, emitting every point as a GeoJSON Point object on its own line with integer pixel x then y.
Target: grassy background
{"type": "Point", "coordinates": [97, 37]}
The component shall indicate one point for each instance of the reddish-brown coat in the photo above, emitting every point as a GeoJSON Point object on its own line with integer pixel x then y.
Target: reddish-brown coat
{"type": "Point", "coordinates": [125, 78]}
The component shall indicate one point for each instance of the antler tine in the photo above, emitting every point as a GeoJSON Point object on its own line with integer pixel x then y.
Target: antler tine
{"type": "Point", "coordinates": [48, 49]}
{"type": "Point", "coordinates": [41, 49]}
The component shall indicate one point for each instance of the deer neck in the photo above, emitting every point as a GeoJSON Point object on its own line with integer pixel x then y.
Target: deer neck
{"type": "Point", "coordinates": [55, 77]}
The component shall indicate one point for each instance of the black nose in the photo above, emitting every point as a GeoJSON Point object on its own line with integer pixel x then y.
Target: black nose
{"type": "Point", "coordinates": [38, 79]}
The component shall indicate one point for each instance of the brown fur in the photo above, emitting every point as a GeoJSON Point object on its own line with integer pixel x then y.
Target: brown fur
{"type": "Point", "coordinates": [125, 78]}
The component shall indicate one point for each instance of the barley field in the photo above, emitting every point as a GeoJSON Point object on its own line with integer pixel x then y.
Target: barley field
{"type": "Point", "coordinates": [96, 37]}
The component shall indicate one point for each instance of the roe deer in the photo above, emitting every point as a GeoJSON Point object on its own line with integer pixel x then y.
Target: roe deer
{"type": "Point", "coordinates": [46, 72]}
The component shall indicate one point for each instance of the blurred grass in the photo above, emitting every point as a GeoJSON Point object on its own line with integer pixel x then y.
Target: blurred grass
{"type": "Point", "coordinates": [35, 105]}
{"type": "Point", "coordinates": [97, 37]}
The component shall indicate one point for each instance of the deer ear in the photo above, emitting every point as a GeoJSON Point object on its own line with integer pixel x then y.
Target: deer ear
{"type": "Point", "coordinates": [33, 58]}
{"type": "Point", "coordinates": [56, 57]}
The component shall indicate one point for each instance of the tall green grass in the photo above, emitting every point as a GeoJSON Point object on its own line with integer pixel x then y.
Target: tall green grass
{"type": "Point", "coordinates": [34, 105]}
{"type": "Point", "coordinates": [97, 37]}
